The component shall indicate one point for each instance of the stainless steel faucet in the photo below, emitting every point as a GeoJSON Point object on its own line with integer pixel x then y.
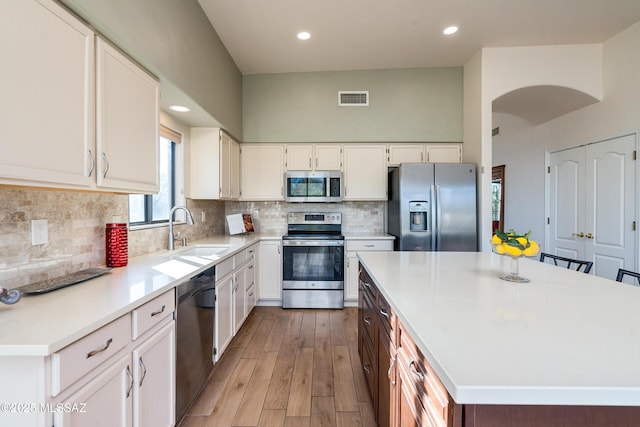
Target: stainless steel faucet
{"type": "Point", "coordinates": [189, 222]}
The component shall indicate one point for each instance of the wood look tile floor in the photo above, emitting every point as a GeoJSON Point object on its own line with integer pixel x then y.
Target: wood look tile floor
{"type": "Point", "coordinates": [288, 368]}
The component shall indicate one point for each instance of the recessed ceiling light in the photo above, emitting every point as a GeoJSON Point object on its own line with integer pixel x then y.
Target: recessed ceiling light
{"type": "Point", "coordinates": [179, 108]}
{"type": "Point", "coordinates": [450, 30]}
{"type": "Point", "coordinates": [303, 35]}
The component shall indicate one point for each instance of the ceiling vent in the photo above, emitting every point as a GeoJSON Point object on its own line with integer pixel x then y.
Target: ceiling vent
{"type": "Point", "coordinates": [350, 98]}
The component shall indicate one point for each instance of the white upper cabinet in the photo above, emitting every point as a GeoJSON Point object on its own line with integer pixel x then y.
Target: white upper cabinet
{"type": "Point", "coordinates": [405, 153]}
{"type": "Point", "coordinates": [307, 157]}
{"type": "Point", "coordinates": [215, 164]}
{"type": "Point", "coordinates": [67, 121]}
{"type": "Point", "coordinates": [47, 86]}
{"type": "Point", "coordinates": [365, 172]}
{"type": "Point", "coordinates": [127, 120]}
{"type": "Point", "coordinates": [432, 153]}
{"type": "Point", "coordinates": [262, 172]}
{"type": "Point", "coordinates": [443, 153]}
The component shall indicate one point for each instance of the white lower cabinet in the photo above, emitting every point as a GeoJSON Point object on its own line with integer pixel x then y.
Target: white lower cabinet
{"type": "Point", "coordinates": [105, 401]}
{"type": "Point", "coordinates": [154, 397]}
{"type": "Point", "coordinates": [238, 299]}
{"type": "Point", "coordinates": [224, 315]}
{"type": "Point", "coordinates": [133, 384]}
{"type": "Point", "coordinates": [352, 247]}
{"type": "Point", "coordinates": [270, 268]}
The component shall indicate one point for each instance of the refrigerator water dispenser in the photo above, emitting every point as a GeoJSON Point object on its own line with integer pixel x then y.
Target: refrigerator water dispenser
{"type": "Point", "coordinates": [418, 216]}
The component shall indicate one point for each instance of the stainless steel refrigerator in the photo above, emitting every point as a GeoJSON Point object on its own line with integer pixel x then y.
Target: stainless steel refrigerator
{"type": "Point", "coordinates": [432, 207]}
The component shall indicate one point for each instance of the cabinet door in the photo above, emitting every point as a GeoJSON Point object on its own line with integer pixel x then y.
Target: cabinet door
{"type": "Point", "coordinates": [107, 399]}
{"type": "Point", "coordinates": [299, 157]}
{"type": "Point", "coordinates": [47, 86]}
{"type": "Point", "coordinates": [224, 315]}
{"type": "Point", "coordinates": [205, 151]}
{"type": "Point", "coordinates": [328, 157]}
{"type": "Point", "coordinates": [127, 120]}
{"type": "Point", "coordinates": [365, 172]}
{"type": "Point", "coordinates": [405, 153]}
{"type": "Point", "coordinates": [410, 412]}
{"type": "Point", "coordinates": [351, 287]}
{"type": "Point", "coordinates": [234, 170]}
{"type": "Point", "coordinates": [270, 268]}
{"type": "Point", "coordinates": [154, 373]}
{"type": "Point", "coordinates": [444, 153]}
{"type": "Point", "coordinates": [238, 299]}
{"type": "Point", "coordinates": [249, 287]}
{"type": "Point", "coordinates": [224, 166]}
{"type": "Point", "coordinates": [262, 172]}
{"type": "Point", "coordinates": [386, 379]}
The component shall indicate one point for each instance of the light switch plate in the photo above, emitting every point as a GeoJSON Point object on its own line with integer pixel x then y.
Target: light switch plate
{"type": "Point", "coordinates": [39, 232]}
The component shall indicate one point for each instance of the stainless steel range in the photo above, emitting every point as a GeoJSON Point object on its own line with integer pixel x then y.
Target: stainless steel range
{"type": "Point", "coordinates": [313, 261]}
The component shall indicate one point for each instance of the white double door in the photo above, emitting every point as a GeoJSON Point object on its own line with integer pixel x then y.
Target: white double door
{"type": "Point", "coordinates": [591, 194]}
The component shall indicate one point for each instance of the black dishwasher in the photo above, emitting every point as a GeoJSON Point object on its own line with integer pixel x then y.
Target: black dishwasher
{"type": "Point", "coordinates": [194, 342]}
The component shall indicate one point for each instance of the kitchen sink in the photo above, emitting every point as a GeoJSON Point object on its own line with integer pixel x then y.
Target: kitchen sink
{"type": "Point", "coordinates": [202, 254]}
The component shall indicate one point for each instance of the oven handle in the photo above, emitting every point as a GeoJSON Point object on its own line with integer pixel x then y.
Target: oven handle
{"type": "Point", "coordinates": [313, 243]}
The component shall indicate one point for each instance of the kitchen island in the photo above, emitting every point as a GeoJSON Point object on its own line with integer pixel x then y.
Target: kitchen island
{"type": "Point", "coordinates": [563, 349]}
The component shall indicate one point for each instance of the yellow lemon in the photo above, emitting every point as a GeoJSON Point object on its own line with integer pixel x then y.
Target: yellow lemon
{"type": "Point", "coordinates": [532, 250]}
{"type": "Point", "coordinates": [522, 241]}
{"type": "Point", "coordinates": [513, 251]}
{"type": "Point", "coordinates": [496, 240]}
{"type": "Point", "coordinates": [501, 248]}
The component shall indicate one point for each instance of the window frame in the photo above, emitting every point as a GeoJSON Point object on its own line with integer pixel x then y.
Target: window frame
{"type": "Point", "coordinates": [174, 138]}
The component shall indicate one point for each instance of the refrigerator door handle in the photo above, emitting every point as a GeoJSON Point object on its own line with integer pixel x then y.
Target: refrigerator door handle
{"type": "Point", "coordinates": [433, 221]}
{"type": "Point", "coordinates": [438, 219]}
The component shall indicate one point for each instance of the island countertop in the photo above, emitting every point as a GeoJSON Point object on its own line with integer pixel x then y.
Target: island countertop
{"type": "Point", "coordinates": [565, 338]}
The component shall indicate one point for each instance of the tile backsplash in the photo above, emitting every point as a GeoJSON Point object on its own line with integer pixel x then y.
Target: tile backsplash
{"type": "Point", "coordinates": [271, 217]}
{"type": "Point", "coordinates": [76, 231]}
{"type": "Point", "coordinates": [76, 228]}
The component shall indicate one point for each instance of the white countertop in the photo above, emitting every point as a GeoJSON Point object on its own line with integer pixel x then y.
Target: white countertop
{"type": "Point", "coordinates": [40, 325]}
{"type": "Point", "coordinates": [565, 338]}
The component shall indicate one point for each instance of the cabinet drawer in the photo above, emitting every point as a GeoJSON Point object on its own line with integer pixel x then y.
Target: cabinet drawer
{"type": "Point", "coordinates": [224, 268]}
{"type": "Point", "coordinates": [369, 245]}
{"type": "Point", "coordinates": [369, 319]}
{"type": "Point", "coordinates": [240, 258]}
{"type": "Point", "coordinates": [152, 313]}
{"type": "Point", "coordinates": [77, 359]}
{"type": "Point", "coordinates": [369, 367]}
{"type": "Point", "coordinates": [251, 252]}
{"type": "Point", "coordinates": [367, 285]}
{"type": "Point", "coordinates": [431, 391]}
{"type": "Point", "coordinates": [388, 319]}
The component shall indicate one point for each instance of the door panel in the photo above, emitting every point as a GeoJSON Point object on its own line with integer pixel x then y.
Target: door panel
{"type": "Point", "coordinates": [592, 205]}
{"type": "Point", "coordinates": [610, 201]}
{"type": "Point", "coordinates": [566, 213]}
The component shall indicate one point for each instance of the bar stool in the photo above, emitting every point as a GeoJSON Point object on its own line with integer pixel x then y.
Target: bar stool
{"type": "Point", "coordinates": [622, 272]}
{"type": "Point", "coordinates": [577, 264]}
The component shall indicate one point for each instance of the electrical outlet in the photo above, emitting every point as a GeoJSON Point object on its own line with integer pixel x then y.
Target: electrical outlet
{"type": "Point", "coordinates": [202, 215]}
{"type": "Point", "coordinates": [39, 232]}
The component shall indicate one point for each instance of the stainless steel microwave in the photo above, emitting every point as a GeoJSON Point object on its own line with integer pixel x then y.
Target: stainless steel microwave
{"type": "Point", "coordinates": [313, 186]}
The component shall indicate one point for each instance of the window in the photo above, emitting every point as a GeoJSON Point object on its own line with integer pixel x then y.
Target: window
{"type": "Point", "coordinates": [155, 208]}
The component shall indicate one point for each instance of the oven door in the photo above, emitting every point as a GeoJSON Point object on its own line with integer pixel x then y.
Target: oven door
{"type": "Point", "coordinates": [313, 264]}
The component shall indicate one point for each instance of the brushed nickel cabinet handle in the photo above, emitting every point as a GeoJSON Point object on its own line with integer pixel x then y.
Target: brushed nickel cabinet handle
{"type": "Point", "coordinates": [144, 371]}
{"type": "Point", "coordinates": [413, 368]}
{"type": "Point", "coordinates": [93, 163]}
{"type": "Point", "coordinates": [366, 320]}
{"type": "Point", "coordinates": [391, 366]}
{"type": "Point", "coordinates": [155, 313]}
{"type": "Point", "coordinates": [130, 375]}
{"type": "Point", "coordinates": [106, 165]}
{"type": "Point", "coordinates": [100, 350]}
{"type": "Point", "coordinates": [366, 368]}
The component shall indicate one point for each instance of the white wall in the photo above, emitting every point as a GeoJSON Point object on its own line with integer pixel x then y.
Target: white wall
{"type": "Point", "coordinates": [503, 70]}
{"type": "Point", "coordinates": [522, 147]}
{"type": "Point", "coordinates": [175, 40]}
{"type": "Point", "coordinates": [423, 104]}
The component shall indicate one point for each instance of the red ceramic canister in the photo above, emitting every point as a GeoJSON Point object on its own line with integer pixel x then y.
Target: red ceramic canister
{"type": "Point", "coordinates": [117, 248]}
